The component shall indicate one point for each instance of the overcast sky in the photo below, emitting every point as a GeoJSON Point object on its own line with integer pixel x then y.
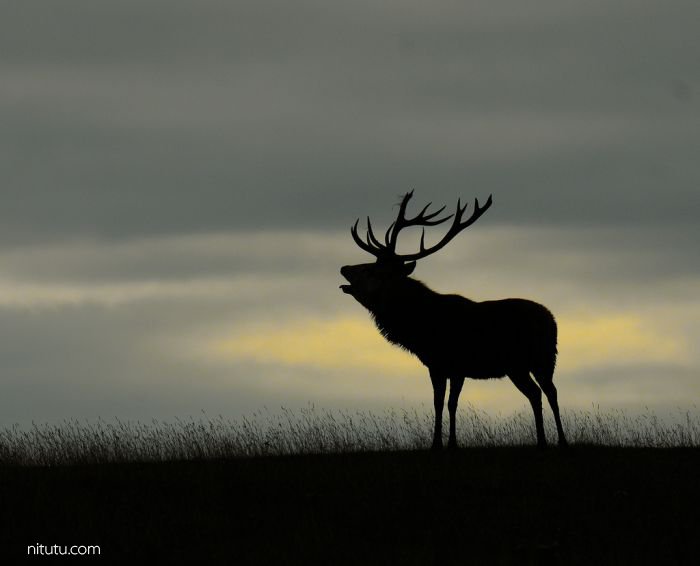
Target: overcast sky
{"type": "Point", "coordinates": [178, 180]}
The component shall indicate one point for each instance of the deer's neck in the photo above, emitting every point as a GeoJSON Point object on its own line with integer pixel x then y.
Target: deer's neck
{"type": "Point", "coordinates": [403, 314]}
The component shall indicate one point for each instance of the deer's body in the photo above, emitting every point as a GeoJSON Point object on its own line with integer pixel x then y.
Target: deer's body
{"type": "Point", "coordinates": [455, 337]}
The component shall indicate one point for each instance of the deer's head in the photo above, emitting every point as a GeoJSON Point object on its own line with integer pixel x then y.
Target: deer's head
{"type": "Point", "coordinates": [369, 282]}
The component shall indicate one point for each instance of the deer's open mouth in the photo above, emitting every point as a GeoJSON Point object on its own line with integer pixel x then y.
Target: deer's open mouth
{"type": "Point", "coordinates": [345, 288]}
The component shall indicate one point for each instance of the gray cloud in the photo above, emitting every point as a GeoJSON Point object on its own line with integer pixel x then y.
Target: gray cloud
{"type": "Point", "coordinates": [152, 118]}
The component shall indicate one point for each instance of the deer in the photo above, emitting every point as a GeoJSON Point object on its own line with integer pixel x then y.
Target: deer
{"type": "Point", "coordinates": [454, 337]}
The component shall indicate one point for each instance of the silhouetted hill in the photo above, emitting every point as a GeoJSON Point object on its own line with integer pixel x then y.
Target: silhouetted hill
{"type": "Point", "coordinates": [586, 505]}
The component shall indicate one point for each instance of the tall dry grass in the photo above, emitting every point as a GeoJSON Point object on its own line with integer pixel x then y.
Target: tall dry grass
{"type": "Point", "coordinates": [313, 430]}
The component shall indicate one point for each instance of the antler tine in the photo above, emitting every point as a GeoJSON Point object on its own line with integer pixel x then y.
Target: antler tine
{"type": "Point", "coordinates": [387, 239]}
{"type": "Point", "coordinates": [371, 239]}
{"type": "Point", "coordinates": [360, 242]}
{"type": "Point", "coordinates": [404, 202]}
{"type": "Point", "coordinates": [478, 211]}
{"type": "Point", "coordinates": [421, 219]}
{"type": "Point", "coordinates": [427, 220]}
{"type": "Point", "coordinates": [398, 224]}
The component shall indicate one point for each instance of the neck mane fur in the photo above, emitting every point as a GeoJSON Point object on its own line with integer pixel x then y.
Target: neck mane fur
{"type": "Point", "coordinates": [403, 313]}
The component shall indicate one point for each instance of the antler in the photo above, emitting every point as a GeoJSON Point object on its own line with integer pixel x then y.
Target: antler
{"type": "Point", "coordinates": [388, 249]}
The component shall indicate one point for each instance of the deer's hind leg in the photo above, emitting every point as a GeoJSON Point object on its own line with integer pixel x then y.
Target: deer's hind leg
{"type": "Point", "coordinates": [544, 379]}
{"type": "Point", "coordinates": [526, 385]}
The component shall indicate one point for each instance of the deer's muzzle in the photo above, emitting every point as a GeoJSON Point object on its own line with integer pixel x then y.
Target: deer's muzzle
{"type": "Point", "coordinates": [345, 288]}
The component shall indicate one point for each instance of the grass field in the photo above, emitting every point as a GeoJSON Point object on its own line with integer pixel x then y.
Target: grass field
{"type": "Point", "coordinates": [297, 489]}
{"type": "Point", "coordinates": [317, 431]}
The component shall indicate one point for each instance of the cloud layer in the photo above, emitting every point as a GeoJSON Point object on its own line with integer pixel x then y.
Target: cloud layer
{"type": "Point", "coordinates": [158, 118]}
{"type": "Point", "coordinates": [227, 323]}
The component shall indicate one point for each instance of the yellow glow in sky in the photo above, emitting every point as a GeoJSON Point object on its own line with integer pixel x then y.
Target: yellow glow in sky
{"type": "Point", "coordinates": [341, 343]}
{"type": "Point", "coordinates": [350, 342]}
{"type": "Point", "coordinates": [615, 340]}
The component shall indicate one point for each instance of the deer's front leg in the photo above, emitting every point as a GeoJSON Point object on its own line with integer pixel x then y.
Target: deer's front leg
{"type": "Point", "coordinates": [456, 384]}
{"type": "Point", "coordinates": [439, 387]}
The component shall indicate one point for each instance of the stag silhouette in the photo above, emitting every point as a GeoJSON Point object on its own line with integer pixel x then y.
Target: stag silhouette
{"type": "Point", "coordinates": [455, 337]}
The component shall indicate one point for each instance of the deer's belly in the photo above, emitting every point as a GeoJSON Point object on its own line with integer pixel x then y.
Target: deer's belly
{"type": "Point", "coordinates": [471, 364]}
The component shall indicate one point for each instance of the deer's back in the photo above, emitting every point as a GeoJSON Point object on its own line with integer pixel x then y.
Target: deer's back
{"type": "Point", "coordinates": [487, 339]}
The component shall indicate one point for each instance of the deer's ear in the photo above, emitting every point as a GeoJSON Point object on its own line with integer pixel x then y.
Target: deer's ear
{"type": "Point", "coordinates": [408, 268]}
